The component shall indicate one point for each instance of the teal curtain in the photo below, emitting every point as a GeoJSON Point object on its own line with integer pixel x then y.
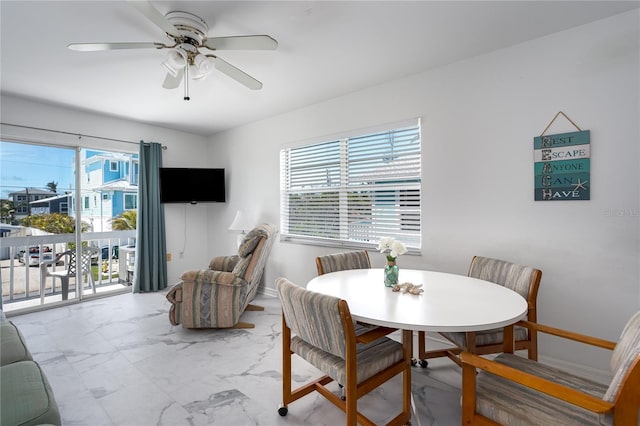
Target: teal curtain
{"type": "Point", "coordinates": [151, 256]}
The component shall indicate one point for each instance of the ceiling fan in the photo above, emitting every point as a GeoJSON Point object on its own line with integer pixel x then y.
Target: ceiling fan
{"type": "Point", "coordinates": [188, 35]}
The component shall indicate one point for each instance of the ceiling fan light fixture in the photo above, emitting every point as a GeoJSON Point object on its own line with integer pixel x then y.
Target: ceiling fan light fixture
{"type": "Point", "coordinates": [205, 64]}
{"type": "Point", "coordinates": [195, 73]}
{"type": "Point", "coordinates": [176, 61]}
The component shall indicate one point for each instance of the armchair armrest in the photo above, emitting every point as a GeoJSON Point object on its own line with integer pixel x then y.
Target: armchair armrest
{"type": "Point", "coordinates": [577, 337]}
{"type": "Point", "coordinates": [572, 396]}
{"type": "Point", "coordinates": [45, 263]}
{"type": "Point", "coordinates": [212, 299]}
{"type": "Point", "coordinates": [374, 334]}
{"type": "Point", "coordinates": [224, 263]}
{"type": "Point", "coordinates": [208, 276]}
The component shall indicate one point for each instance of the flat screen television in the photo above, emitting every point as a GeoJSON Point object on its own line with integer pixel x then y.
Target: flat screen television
{"type": "Point", "coordinates": [190, 185]}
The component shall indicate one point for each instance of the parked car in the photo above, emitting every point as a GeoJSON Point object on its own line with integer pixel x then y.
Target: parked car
{"type": "Point", "coordinates": [33, 257]}
{"type": "Point", "coordinates": [105, 252]}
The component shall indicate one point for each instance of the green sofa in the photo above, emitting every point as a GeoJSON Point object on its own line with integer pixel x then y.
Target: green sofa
{"type": "Point", "coordinates": [26, 398]}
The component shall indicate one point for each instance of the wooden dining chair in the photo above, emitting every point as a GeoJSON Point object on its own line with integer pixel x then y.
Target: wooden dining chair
{"type": "Point", "coordinates": [319, 329]}
{"type": "Point", "coordinates": [513, 390]}
{"type": "Point", "coordinates": [343, 261]}
{"type": "Point", "coordinates": [522, 279]}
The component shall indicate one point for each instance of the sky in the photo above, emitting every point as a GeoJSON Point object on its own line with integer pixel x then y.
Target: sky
{"type": "Point", "coordinates": [23, 165]}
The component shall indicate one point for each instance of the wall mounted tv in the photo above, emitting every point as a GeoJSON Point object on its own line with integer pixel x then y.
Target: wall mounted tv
{"type": "Point", "coordinates": [186, 185]}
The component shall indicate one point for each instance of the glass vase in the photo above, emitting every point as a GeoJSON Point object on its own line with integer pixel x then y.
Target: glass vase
{"type": "Point", "coordinates": [390, 274]}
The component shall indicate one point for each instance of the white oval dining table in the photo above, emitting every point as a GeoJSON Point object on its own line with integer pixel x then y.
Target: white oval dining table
{"type": "Point", "coordinates": [449, 302]}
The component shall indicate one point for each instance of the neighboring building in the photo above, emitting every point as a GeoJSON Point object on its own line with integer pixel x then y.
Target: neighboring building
{"type": "Point", "coordinates": [22, 200]}
{"type": "Point", "coordinates": [109, 186]}
{"type": "Point", "coordinates": [58, 204]}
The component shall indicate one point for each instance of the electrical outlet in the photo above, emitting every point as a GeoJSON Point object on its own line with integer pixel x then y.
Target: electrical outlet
{"type": "Point", "coordinates": [168, 257]}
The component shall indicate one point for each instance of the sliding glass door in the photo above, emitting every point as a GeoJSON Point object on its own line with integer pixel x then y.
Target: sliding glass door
{"type": "Point", "coordinates": [62, 204]}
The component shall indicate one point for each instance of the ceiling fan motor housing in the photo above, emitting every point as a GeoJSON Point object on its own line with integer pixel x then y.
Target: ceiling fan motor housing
{"type": "Point", "coordinates": [192, 28]}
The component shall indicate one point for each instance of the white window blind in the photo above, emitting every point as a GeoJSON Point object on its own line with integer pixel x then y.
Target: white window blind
{"type": "Point", "coordinates": [352, 191]}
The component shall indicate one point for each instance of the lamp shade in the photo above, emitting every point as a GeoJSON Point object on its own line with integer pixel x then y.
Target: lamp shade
{"type": "Point", "coordinates": [205, 64]}
{"type": "Point", "coordinates": [176, 60]}
{"type": "Point", "coordinates": [241, 222]}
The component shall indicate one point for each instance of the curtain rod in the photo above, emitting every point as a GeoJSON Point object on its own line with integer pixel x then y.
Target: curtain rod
{"type": "Point", "coordinates": [79, 135]}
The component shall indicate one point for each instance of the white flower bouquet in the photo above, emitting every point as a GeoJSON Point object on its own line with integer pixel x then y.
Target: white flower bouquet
{"type": "Point", "coordinates": [392, 247]}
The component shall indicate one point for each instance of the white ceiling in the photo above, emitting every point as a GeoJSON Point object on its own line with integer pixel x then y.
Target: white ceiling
{"type": "Point", "coordinates": [326, 49]}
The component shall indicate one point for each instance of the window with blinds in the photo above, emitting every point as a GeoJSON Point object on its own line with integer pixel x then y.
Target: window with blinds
{"type": "Point", "coordinates": [353, 191]}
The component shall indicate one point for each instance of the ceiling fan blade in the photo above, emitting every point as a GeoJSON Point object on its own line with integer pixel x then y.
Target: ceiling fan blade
{"type": "Point", "coordinates": [148, 10]}
{"type": "Point", "coordinates": [172, 82]}
{"type": "Point", "coordinates": [250, 42]}
{"type": "Point", "coordinates": [94, 47]}
{"type": "Point", "coordinates": [238, 75]}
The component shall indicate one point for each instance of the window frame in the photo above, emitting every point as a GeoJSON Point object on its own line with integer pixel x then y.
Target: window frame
{"type": "Point", "coordinates": [405, 191]}
{"type": "Point", "coordinates": [131, 195]}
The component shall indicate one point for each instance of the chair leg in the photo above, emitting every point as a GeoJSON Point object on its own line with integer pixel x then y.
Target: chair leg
{"type": "Point", "coordinates": [91, 282]}
{"type": "Point", "coordinates": [286, 368]}
{"type": "Point", "coordinates": [43, 279]}
{"type": "Point", "coordinates": [251, 307]}
{"type": "Point", "coordinates": [244, 325]}
{"type": "Point", "coordinates": [65, 287]}
{"type": "Point", "coordinates": [468, 393]}
{"type": "Point", "coordinates": [450, 352]}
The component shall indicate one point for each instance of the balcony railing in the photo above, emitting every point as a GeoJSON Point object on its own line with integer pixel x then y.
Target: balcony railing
{"type": "Point", "coordinates": [20, 258]}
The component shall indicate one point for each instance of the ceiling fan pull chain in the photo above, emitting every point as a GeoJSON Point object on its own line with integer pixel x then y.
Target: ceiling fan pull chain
{"type": "Point", "coordinates": [186, 82]}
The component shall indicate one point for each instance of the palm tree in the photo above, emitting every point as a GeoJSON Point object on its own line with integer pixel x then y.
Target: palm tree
{"type": "Point", "coordinates": [53, 186]}
{"type": "Point", "coordinates": [7, 211]}
{"type": "Point", "coordinates": [125, 221]}
{"type": "Point", "coordinates": [55, 223]}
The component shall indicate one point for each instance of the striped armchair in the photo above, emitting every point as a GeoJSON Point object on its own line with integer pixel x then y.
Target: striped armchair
{"type": "Point", "coordinates": [216, 297]}
{"type": "Point", "coordinates": [513, 390]}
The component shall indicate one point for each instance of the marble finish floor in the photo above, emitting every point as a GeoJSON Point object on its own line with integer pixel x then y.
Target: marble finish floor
{"type": "Point", "coordinates": [118, 361]}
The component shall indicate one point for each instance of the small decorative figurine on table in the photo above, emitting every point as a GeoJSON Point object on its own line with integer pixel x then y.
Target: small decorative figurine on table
{"type": "Point", "coordinates": [408, 288]}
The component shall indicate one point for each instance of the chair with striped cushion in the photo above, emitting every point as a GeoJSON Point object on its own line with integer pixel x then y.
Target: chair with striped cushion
{"type": "Point", "coordinates": [513, 390]}
{"type": "Point", "coordinates": [319, 329]}
{"type": "Point", "coordinates": [343, 261]}
{"type": "Point", "coordinates": [525, 280]}
{"type": "Point", "coordinates": [216, 297]}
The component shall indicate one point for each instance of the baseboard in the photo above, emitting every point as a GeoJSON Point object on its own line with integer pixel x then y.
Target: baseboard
{"type": "Point", "coordinates": [271, 292]}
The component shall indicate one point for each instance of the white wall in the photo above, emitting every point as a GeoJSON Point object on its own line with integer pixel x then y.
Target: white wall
{"type": "Point", "coordinates": [479, 118]}
{"type": "Point", "coordinates": [183, 149]}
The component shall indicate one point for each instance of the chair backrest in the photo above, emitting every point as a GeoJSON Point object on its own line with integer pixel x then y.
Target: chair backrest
{"type": "Point", "coordinates": [343, 261]}
{"type": "Point", "coordinates": [625, 355]}
{"type": "Point", "coordinates": [254, 252]}
{"type": "Point", "coordinates": [87, 254]}
{"type": "Point", "coordinates": [69, 262]}
{"type": "Point", "coordinates": [316, 318]}
{"type": "Point", "coordinates": [522, 279]}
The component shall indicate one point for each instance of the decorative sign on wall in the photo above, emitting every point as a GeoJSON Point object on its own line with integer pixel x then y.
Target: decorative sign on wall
{"type": "Point", "coordinates": [562, 165]}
